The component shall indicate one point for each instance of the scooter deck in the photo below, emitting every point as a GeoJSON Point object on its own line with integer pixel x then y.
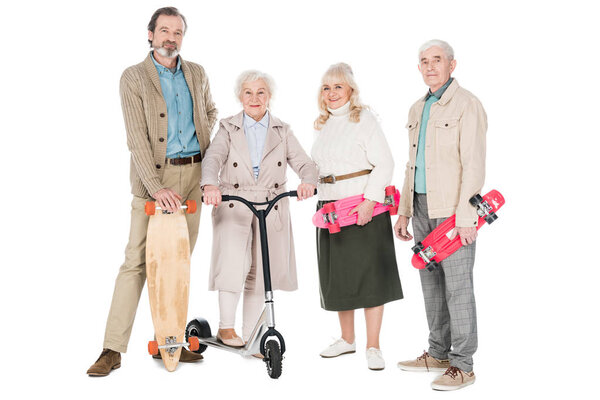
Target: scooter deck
{"type": "Point", "coordinates": [438, 241]}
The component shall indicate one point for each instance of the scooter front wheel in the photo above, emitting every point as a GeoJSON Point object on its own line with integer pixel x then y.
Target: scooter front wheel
{"type": "Point", "coordinates": [273, 359]}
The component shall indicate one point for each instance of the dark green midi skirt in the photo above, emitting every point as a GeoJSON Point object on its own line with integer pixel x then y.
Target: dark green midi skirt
{"type": "Point", "coordinates": [357, 266]}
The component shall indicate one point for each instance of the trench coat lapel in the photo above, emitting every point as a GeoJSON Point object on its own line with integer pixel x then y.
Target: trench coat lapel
{"type": "Point", "coordinates": [273, 138]}
{"type": "Point", "coordinates": [239, 141]}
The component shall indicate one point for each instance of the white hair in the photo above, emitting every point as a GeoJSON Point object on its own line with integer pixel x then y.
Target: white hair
{"type": "Point", "coordinates": [448, 50]}
{"type": "Point", "coordinates": [252, 75]}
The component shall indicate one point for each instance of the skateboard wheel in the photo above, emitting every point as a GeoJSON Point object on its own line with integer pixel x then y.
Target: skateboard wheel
{"type": "Point", "coordinates": [417, 248]}
{"type": "Point", "coordinates": [475, 200]}
{"type": "Point", "coordinates": [491, 218]}
{"type": "Point", "coordinates": [150, 208]}
{"type": "Point", "coordinates": [194, 343]}
{"type": "Point", "coordinates": [334, 228]}
{"type": "Point", "coordinates": [390, 190]}
{"type": "Point", "coordinates": [432, 266]}
{"type": "Point", "coordinates": [394, 210]}
{"type": "Point", "coordinates": [153, 347]}
{"type": "Point", "coordinates": [191, 206]}
{"type": "Point", "coordinates": [328, 207]}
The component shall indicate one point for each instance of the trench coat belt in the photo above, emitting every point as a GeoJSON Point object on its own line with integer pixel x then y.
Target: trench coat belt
{"type": "Point", "coordinates": [334, 179]}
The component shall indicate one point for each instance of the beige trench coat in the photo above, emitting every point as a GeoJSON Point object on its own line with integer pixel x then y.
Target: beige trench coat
{"type": "Point", "coordinates": [227, 164]}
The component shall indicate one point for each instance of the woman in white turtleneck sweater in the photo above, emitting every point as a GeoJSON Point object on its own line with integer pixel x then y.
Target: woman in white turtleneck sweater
{"type": "Point", "coordinates": [357, 266]}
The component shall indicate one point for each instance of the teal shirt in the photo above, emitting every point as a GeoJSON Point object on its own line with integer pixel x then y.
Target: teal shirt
{"type": "Point", "coordinates": [181, 132]}
{"type": "Point", "coordinates": [420, 178]}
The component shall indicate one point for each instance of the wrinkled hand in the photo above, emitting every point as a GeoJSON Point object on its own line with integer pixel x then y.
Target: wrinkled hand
{"type": "Point", "coordinates": [305, 191]}
{"type": "Point", "coordinates": [467, 235]}
{"type": "Point", "coordinates": [168, 199]}
{"type": "Point", "coordinates": [401, 229]}
{"type": "Point", "coordinates": [212, 195]}
{"type": "Point", "coordinates": [365, 212]}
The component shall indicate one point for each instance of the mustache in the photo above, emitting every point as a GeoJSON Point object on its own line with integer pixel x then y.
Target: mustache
{"type": "Point", "coordinates": [167, 42]}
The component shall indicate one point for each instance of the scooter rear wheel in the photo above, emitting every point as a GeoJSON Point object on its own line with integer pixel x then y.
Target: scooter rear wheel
{"type": "Point", "coordinates": [273, 359]}
{"type": "Point", "coordinates": [200, 328]}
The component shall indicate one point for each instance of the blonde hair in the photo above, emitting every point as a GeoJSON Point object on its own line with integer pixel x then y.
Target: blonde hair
{"type": "Point", "coordinates": [343, 72]}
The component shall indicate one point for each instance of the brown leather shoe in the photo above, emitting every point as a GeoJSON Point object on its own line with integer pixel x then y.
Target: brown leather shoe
{"type": "Point", "coordinates": [186, 356]}
{"type": "Point", "coordinates": [107, 361]}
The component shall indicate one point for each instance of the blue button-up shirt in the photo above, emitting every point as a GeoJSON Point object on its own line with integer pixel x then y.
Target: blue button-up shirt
{"type": "Point", "coordinates": [256, 135]}
{"type": "Point", "coordinates": [420, 180]}
{"type": "Point", "coordinates": [181, 132]}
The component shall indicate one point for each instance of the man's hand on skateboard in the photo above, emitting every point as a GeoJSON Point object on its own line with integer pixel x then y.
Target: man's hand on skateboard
{"type": "Point", "coordinates": [467, 234]}
{"type": "Point", "coordinates": [401, 229]}
{"type": "Point", "coordinates": [305, 191]}
{"type": "Point", "coordinates": [365, 212]}
{"type": "Point", "coordinates": [168, 199]}
{"type": "Point", "coordinates": [212, 195]}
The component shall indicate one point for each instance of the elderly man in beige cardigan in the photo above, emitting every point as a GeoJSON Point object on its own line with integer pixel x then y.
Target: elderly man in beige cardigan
{"type": "Point", "coordinates": [169, 115]}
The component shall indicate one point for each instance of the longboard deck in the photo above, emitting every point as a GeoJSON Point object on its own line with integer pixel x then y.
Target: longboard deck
{"type": "Point", "coordinates": [168, 276]}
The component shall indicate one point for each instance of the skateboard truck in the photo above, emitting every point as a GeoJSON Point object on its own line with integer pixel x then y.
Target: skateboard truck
{"type": "Point", "coordinates": [484, 209]}
{"type": "Point", "coordinates": [390, 191]}
{"type": "Point", "coordinates": [427, 256]}
{"type": "Point", "coordinates": [171, 345]}
{"type": "Point", "coordinates": [189, 206]}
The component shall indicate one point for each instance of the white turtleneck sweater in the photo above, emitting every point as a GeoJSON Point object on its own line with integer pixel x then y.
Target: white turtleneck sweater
{"type": "Point", "coordinates": [343, 147]}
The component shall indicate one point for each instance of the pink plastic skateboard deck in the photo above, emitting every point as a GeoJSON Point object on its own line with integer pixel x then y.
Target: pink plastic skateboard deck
{"type": "Point", "coordinates": [437, 245]}
{"type": "Point", "coordinates": [334, 215]}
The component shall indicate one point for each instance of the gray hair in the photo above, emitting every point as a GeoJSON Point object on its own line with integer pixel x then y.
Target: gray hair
{"type": "Point", "coordinates": [252, 75]}
{"type": "Point", "coordinates": [448, 50]}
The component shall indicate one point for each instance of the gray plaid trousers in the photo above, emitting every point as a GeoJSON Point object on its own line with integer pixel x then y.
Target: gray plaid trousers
{"type": "Point", "coordinates": [449, 297]}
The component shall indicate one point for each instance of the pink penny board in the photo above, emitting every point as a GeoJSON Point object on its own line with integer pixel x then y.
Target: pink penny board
{"type": "Point", "coordinates": [334, 215]}
{"type": "Point", "coordinates": [437, 245]}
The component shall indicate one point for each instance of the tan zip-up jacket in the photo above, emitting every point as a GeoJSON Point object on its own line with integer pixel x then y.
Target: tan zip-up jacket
{"type": "Point", "coordinates": [145, 113]}
{"type": "Point", "coordinates": [454, 155]}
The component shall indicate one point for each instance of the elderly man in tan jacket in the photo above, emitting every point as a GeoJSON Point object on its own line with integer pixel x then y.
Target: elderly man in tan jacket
{"type": "Point", "coordinates": [446, 167]}
{"type": "Point", "coordinates": [169, 115]}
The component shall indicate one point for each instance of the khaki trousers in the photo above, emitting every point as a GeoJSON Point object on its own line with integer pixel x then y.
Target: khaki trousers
{"type": "Point", "coordinates": [183, 179]}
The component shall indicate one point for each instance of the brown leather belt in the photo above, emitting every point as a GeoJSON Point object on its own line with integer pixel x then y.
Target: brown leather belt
{"type": "Point", "coordinates": [334, 179]}
{"type": "Point", "coordinates": [184, 161]}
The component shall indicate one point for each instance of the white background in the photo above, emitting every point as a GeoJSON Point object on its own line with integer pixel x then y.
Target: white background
{"type": "Point", "coordinates": [65, 189]}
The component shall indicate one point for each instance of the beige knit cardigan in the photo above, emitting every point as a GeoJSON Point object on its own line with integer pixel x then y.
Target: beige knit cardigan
{"type": "Point", "coordinates": [145, 113]}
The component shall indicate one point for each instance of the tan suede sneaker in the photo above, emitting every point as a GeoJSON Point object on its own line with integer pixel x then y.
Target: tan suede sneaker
{"type": "Point", "coordinates": [424, 363]}
{"type": "Point", "coordinates": [454, 378]}
{"type": "Point", "coordinates": [186, 356]}
{"type": "Point", "coordinates": [107, 361]}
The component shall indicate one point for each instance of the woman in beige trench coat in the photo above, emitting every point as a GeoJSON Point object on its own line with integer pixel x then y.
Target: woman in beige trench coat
{"type": "Point", "coordinates": [248, 158]}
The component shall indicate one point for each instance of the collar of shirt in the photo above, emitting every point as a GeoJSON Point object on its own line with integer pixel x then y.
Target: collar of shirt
{"type": "Point", "coordinates": [249, 122]}
{"type": "Point", "coordinates": [440, 92]}
{"type": "Point", "coordinates": [161, 68]}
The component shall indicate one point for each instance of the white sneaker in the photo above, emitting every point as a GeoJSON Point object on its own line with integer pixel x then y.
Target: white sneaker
{"type": "Point", "coordinates": [338, 348]}
{"type": "Point", "coordinates": [375, 359]}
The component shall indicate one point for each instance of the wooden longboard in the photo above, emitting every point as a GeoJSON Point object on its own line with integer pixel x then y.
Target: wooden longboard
{"type": "Point", "coordinates": [168, 276]}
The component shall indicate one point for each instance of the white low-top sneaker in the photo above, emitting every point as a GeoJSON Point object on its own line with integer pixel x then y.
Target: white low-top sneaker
{"type": "Point", "coordinates": [375, 359]}
{"type": "Point", "coordinates": [338, 348]}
